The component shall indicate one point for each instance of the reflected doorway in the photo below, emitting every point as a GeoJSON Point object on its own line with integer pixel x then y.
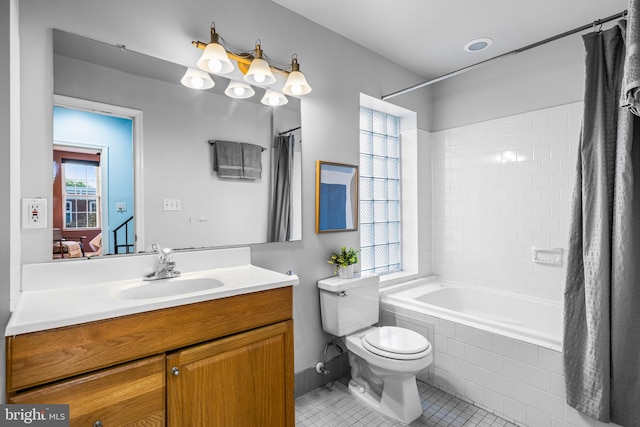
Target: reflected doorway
{"type": "Point", "coordinates": [93, 183]}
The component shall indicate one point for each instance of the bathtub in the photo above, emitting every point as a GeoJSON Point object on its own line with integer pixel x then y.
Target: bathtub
{"type": "Point", "coordinates": [533, 320]}
{"type": "Point", "coordinates": [499, 350]}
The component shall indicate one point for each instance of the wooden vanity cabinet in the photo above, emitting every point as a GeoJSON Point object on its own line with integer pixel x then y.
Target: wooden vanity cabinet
{"type": "Point", "coordinates": [239, 381]}
{"type": "Point", "coordinates": [233, 358]}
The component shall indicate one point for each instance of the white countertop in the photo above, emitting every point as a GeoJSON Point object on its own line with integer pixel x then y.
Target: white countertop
{"type": "Point", "coordinates": [38, 310]}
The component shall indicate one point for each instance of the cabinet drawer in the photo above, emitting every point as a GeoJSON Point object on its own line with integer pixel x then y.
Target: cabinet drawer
{"type": "Point", "coordinates": [132, 394]}
{"type": "Point", "coordinates": [41, 357]}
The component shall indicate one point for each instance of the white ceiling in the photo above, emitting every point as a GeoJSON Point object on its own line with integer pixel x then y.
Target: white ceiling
{"type": "Point", "coordinates": [428, 36]}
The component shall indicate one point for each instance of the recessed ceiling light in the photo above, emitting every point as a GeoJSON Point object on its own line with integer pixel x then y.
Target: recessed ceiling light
{"type": "Point", "coordinates": [478, 44]}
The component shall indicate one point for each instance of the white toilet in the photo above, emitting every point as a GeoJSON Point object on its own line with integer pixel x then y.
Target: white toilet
{"type": "Point", "coordinates": [384, 360]}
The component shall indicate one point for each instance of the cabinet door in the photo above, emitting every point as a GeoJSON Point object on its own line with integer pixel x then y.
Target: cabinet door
{"type": "Point", "coordinates": [242, 380]}
{"type": "Point", "coordinates": [132, 394]}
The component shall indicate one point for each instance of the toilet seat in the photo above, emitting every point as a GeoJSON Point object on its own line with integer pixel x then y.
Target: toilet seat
{"type": "Point", "coordinates": [396, 343]}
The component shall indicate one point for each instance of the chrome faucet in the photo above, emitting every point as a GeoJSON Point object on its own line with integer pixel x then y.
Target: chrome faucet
{"type": "Point", "coordinates": [166, 265]}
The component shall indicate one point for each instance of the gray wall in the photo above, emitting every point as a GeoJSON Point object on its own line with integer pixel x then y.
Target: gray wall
{"type": "Point", "coordinates": [549, 75]}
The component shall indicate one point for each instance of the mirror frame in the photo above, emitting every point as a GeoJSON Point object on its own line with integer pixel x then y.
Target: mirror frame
{"type": "Point", "coordinates": [323, 203]}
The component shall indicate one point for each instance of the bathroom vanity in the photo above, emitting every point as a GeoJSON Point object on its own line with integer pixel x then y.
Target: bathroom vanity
{"type": "Point", "coordinates": [226, 360]}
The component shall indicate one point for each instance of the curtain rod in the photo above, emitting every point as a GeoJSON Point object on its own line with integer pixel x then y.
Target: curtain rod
{"type": "Point", "coordinates": [594, 24]}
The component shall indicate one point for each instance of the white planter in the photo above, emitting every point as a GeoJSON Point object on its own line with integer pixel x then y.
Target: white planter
{"type": "Point", "coordinates": [346, 272]}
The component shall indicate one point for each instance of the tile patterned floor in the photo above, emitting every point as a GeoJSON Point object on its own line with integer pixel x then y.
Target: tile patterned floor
{"type": "Point", "coordinates": [337, 408]}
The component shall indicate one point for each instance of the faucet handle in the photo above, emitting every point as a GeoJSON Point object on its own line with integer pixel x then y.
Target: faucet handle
{"type": "Point", "coordinates": [154, 247]}
{"type": "Point", "coordinates": [166, 254]}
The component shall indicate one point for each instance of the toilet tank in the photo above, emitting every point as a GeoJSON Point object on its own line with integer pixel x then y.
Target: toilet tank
{"type": "Point", "coordinates": [348, 305]}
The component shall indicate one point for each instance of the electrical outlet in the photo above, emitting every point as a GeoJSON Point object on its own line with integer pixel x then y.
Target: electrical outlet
{"type": "Point", "coordinates": [121, 206]}
{"type": "Point", "coordinates": [34, 213]}
{"type": "Point", "coordinates": [171, 205]}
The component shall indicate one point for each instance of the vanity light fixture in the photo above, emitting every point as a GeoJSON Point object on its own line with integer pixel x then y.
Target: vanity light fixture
{"type": "Point", "coordinates": [197, 79]}
{"type": "Point", "coordinates": [296, 84]}
{"type": "Point", "coordinates": [214, 59]}
{"type": "Point", "coordinates": [259, 72]}
{"type": "Point", "coordinates": [257, 67]}
{"type": "Point", "coordinates": [273, 98]}
{"type": "Point", "coordinates": [239, 90]}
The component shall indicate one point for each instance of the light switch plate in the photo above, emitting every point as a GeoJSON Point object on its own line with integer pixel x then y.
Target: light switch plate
{"type": "Point", "coordinates": [34, 213]}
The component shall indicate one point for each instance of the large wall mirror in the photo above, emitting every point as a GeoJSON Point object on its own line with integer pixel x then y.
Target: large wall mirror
{"type": "Point", "coordinates": [132, 164]}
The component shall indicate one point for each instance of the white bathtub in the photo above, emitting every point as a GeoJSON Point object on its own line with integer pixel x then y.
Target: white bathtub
{"type": "Point", "coordinates": [499, 350]}
{"type": "Point", "coordinates": [533, 320]}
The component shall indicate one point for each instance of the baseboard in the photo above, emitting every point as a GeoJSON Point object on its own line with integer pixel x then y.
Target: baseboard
{"type": "Point", "coordinates": [309, 379]}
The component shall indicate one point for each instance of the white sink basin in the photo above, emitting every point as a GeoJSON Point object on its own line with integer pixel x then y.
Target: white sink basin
{"type": "Point", "coordinates": [169, 287]}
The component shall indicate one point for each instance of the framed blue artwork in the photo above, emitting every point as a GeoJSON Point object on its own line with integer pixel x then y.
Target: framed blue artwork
{"type": "Point", "coordinates": [336, 197]}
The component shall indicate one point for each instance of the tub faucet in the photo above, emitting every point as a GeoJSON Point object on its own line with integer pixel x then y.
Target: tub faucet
{"type": "Point", "coordinates": [166, 265]}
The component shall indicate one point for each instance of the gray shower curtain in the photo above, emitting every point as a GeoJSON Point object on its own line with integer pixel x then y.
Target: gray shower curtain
{"type": "Point", "coordinates": [602, 293]}
{"type": "Point", "coordinates": [281, 175]}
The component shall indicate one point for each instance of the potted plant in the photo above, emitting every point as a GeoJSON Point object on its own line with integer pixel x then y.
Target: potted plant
{"type": "Point", "coordinates": [344, 261]}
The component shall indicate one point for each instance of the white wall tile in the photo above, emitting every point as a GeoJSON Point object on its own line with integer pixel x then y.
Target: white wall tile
{"type": "Point", "coordinates": [447, 328]}
{"type": "Point", "coordinates": [514, 369]}
{"type": "Point", "coordinates": [550, 360]}
{"type": "Point", "coordinates": [493, 400]}
{"type": "Point", "coordinates": [537, 418]}
{"type": "Point", "coordinates": [550, 404]}
{"type": "Point", "coordinates": [483, 339]}
{"type": "Point", "coordinates": [455, 349]}
{"type": "Point", "coordinates": [515, 410]}
{"type": "Point", "coordinates": [445, 362]}
{"type": "Point", "coordinates": [456, 384]}
{"type": "Point", "coordinates": [441, 344]}
{"type": "Point", "coordinates": [464, 333]}
{"type": "Point", "coordinates": [525, 394]}
{"type": "Point", "coordinates": [474, 391]}
{"type": "Point", "coordinates": [539, 378]}
{"type": "Point", "coordinates": [557, 385]}
{"type": "Point", "coordinates": [524, 198]}
{"type": "Point", "coordinates": [527, 353]}
{"type": "Point", "coordinates": [504, 346]}
{"type": "Point", "coordinates": [503, 385]}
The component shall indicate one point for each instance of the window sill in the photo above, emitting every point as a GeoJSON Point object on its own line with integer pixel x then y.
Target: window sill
{"type": "Point", "coordinates": [391, 279]}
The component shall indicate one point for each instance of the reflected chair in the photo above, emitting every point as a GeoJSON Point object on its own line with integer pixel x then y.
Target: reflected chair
{"type": "Point", "coordinates": [67, 245]}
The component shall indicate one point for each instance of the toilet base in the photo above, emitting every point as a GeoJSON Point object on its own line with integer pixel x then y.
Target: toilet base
{"type": "Point", "coordinates": [400, 399]}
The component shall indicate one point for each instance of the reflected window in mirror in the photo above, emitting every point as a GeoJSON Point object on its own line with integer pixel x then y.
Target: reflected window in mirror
{"type": "Point", "coordinates": [80, 193]}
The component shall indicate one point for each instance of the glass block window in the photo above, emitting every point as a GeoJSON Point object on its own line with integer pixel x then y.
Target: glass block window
{"type": "Point", "coordinates": [380, 227]}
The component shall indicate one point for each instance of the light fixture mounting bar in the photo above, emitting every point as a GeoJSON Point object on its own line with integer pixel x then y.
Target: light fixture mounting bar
{"type": "Point", "coordinates": [244, 58]}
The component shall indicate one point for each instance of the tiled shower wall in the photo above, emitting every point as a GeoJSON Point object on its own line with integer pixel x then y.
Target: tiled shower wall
{"type": "Point", "coordinates": [499, 188]}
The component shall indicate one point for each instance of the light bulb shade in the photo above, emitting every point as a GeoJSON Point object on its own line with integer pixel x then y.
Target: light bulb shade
{"type": "Point", "coordinates": [239, 90]}
{"type": "Point", "coordinates": [296, 84]}
{"type": "Point", "coordinates": [197, 79]}
{"type": "Point", "coordinates": [214, 60]}
{"type": "Point", "coordinates": [259, 73]}
{"type": "Point", "coordinates": [273, 98]}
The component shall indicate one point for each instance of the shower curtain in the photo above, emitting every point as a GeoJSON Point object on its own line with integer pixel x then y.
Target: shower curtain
{"type": "Point", "coordinates": [602, 293]}
{"type": "Point", "coordinates": [281, 175]}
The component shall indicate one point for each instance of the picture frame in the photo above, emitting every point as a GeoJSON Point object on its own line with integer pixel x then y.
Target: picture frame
{"type": "Point", "coordinates": [337, 197]}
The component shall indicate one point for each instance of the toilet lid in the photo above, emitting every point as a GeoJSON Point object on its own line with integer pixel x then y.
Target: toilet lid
{"type": "Point", "coordinates": [395, 340]}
